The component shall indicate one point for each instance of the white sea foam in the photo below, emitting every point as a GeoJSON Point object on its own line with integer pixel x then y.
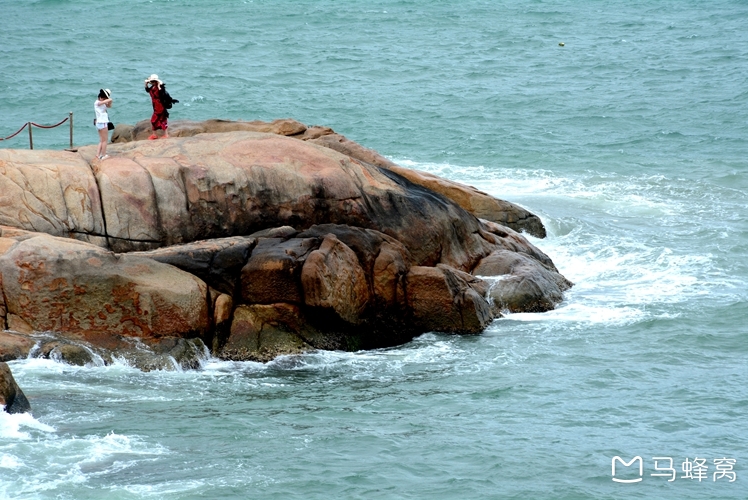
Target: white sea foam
{"type": "Point", "coordinates": [12, 426]}
{"type": "Point", "coordinates": [578, 312]}
{"type": "Point", "coordinates": [161, 490]}
{"type": "Point", "coordinates": [8, 461]}
{"type": "Point", "coordinates": [100, 448]}
{"type": "Point", "coordinates": [619, 270]}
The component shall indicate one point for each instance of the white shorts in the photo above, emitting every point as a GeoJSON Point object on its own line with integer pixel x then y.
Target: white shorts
{"type": "Point", "coordinates": [101, 125]}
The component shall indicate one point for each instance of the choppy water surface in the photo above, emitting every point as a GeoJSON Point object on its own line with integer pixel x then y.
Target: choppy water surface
{"type": "Point", "coordinates": [629, 141]}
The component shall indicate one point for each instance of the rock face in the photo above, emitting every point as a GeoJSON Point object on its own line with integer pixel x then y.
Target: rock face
{"type": "Point", "coordinates": [253, 241]}
{"type": "Point", "coordinates": [470, 199]}
{"type": "Point", "coordinates": [63, 285]}
{"type": "Point", "coordinates": [12, 397]}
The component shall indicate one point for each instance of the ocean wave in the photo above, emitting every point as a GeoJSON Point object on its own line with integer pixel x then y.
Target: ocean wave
{"type": "Point", "coordinates": [626, 241]}
{"type": "Point", "coordinates": [12, 425]}
{"type": "Point", "coordinates": [78, 460]}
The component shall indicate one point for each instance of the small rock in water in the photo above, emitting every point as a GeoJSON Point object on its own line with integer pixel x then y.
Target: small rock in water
{"type": "Point", "coordinates": [11, 396]}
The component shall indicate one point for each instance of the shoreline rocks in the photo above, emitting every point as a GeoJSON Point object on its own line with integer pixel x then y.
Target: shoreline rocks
{"type": "Point", "coordinates": [251, 243]}
{"type": "Point", "coordinates": [12, 397]}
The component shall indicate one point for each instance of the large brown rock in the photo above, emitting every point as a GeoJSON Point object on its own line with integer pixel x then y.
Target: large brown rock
{"type": "Point", "coordinates": [384, 261]}
{"type": "Point", "coordinates": [523, 284]}
{"type": "Point", "coordinates": [166, 192]}
{"type": "Point", "coordinates": [444, 299]}
{"type": "Point", "coordinates": [53, 192]}
{"type": "Point", "coordinates": [61, 285]}
{"type": "Point", "coordinates": [11, 396]}
{"type": "Point", "coordinates": [333, 279]}
{"type": "Point", "coordinates": [476, 202]}
{"type": "Point", "coordinates": [15, 345]}
{"type": "Point", "coordinates": [272, 273]}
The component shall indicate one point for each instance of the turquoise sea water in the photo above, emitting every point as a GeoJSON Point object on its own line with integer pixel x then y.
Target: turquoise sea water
{"type": "Point", "coordinates": [630, 141]}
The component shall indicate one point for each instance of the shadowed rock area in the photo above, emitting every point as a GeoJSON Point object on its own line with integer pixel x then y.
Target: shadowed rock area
{"type": "Point", "coordinates": [12, 397]}
{"type": "Point", "coordinates": [253, 239]}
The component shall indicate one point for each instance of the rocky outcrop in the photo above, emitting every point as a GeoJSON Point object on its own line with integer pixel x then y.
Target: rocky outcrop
{"type": "Point", "coordinates": [50, 192]}
{"type": "Point", "coordinates": [63, 285]}
{"type": "Point", "coordinates": [521, 283]}
{"type": "Point", "coordinates": [251, 243]}
{"type": "Point", "coordinates": [470, 199]}
{"type": "Point", "coordinates": [12, 397]}
{"type": "Point", "coordinates": [478, 203]}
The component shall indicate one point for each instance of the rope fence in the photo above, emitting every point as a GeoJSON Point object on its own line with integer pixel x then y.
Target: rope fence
{"type": "Point", "coordinates": [31, 125]}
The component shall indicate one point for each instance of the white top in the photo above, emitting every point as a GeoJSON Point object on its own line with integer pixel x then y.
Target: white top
{"type": "Point", "coordinates": [101, 115]}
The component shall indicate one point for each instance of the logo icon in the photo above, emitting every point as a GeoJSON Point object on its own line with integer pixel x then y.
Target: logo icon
{"type": "Point", "coordinates": [627, 464]}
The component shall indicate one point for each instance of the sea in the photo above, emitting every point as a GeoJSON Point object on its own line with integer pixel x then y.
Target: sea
{"type": "Point", "coordinates": [623, 125]}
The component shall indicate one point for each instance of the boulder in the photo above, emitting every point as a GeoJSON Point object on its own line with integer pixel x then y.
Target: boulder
{"type": "Point", "coordinates": [443, 299]}
{"type": "Point", "coordinates": [383, 260]}
{"type": "Point", "coordinates": [260, 332]}
{"type": "Point", "coordinates": [53, 192]}
{"type": "Point", "coordinates": [272, 273]}
{"type": "Point", "coordinates": [332, 279]}
{"type": "Point", "coordinates": [62, 285]}
{"type": "Point", "coordinates": [14, 345]}
{"type": "Point", "coordinates": [12, 397]}
{"type": "Point", "coordinates": [476, 202]}
{"type": "Point", "coordinates": [522, 284]}
{"type": "Point", "coordinates": [72, 354]}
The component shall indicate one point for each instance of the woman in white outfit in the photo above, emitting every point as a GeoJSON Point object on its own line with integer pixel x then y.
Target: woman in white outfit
{"type": "Point", "coordinates": [102, 120]}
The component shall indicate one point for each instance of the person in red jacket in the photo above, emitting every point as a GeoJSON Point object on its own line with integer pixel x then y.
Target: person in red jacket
{"type": "Point", "coordinates": [160, 118]}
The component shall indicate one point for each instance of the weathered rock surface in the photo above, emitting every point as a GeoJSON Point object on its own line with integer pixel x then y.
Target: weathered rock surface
{"type": "Point", "coordinates": [50, 192]}
{"type": "Point", "coordinates": [15, 345]}
{"type": "Point", "coordinates": [11, 396]}
{"type": "Point", "coordinates": [63, 285]}
{"type": "Point", "coordinates": [470, 199]}
{"type": "Point", "coordinates": [524, 284]}
{"type": "Point", "coordinates": [253, 243]}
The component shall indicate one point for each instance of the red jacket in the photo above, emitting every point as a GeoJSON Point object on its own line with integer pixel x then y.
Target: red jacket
{"type": "Point", "coordinates": [158, 107]}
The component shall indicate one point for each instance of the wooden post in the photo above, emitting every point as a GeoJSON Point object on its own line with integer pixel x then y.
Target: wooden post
{"type": "Point", "coordinates": [70, 114]}
{"type": "Point", "coordinates": [31, 137]}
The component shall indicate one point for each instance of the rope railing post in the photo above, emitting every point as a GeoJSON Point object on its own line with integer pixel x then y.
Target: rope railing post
{"type": "Point", "coordinates": [31, 125]}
